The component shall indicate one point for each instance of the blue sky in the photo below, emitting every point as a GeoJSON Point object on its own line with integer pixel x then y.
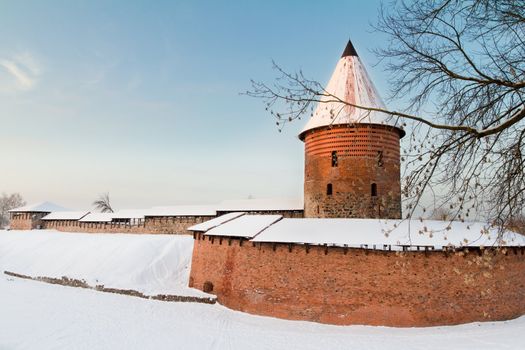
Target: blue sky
{"type": "Point", "coordinates": [141, 99]}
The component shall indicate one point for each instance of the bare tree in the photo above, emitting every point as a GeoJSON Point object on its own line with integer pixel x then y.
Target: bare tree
{"type": "Point", "coordinates": [461, 64]}
{"type": "Point", "coordinates": [103, 204]}
{"type": "Point", "coordinates": [8, 202]}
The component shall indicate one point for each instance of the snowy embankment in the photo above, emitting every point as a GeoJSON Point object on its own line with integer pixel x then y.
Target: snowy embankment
{"type": "Point", "coordinates": [150, 264]}
{"type": "Point", "coordinates": [41, 316]}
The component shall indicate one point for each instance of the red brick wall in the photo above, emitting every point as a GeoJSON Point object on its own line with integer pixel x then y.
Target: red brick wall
{"type": "Point", "coordinates": [330, 285]}
{"type": "Point", "coordinates": [25, 221]}
{"type": "Point", "coordinates": [152, 225]}
{"type": "Point", "coordinates": [358, 166]}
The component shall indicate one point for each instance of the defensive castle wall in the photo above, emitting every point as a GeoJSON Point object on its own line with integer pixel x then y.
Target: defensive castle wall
{"type": "Point", "coordinates": [26, 220]}
{"type": "Point", "coordinates": [149, 225]}
{"type": "Point", "coordinates": [352, 172]}
{"type": "Point", "coordinates": [359, 286]}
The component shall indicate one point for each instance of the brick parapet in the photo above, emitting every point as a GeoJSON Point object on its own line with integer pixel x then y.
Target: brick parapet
{"type": "Point", "coordinates": [150, 225]}
{"type": "Point", "coordinates": [26, 220]}
{"type": "Point", "coordinates": [358, 286]}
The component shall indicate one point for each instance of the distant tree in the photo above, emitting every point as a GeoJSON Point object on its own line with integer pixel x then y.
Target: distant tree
{"type": "Point", "coordinates": [462, 60]}
{"type": "Point", "coordinates": [516, 224]}
{"type": "Point", "coordinates": [442, 214]}
{"type": "Point", "coordinates": [8, 202]}
{"type": "Point", "coordinates": [103, 204]}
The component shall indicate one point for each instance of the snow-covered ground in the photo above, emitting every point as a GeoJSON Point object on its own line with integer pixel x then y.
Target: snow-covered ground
{"type": "Point", "coordinates": [35, 315]}
{"type": "Point", "coordinates": [151, 264]}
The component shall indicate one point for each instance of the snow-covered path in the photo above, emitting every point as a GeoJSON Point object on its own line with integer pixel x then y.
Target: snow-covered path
{"type": "Point", "coordinates": [34, 315]}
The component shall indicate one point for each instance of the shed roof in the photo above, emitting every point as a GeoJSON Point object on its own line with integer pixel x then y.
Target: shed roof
{"type": "Point", "coordinates": [41, 207]}
{"type": "Point", "coordinates": [261, 204]}
{"type": "Point", "coordinates": [350, 83]}
{"type": "Point", "coordinates": [394, 233]}
{"type": "Point", "coordinates": [246, 226]}
{"type": "Point", "coordinates": [208, 225]}
{"type": "Point", "coordinates": [65, 215]}
{"type": "Point", "coordinates": [183, 210]}
{"type": "Point", "coordinates": [97, 217]}
{"type": "Point", "coordinates": [130, 214]}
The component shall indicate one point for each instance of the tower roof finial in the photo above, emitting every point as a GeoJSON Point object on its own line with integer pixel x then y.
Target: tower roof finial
{"type": "Point", "coordinates": [349, 50]}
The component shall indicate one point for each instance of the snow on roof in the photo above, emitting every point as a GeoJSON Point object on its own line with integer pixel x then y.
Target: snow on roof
{"type": "Point", "coordinates": [183, 210]}
{"type": "Point", "coordinates": [261, 204]}
{"type": "Point", "coordinates": [97, 217]}
{"type": "Point", "coordinates": [65, 215]}
{"type": "Point", "coordinates": [130, 214]}
{"type": "Point", "coordinates": [247, 226]}
{"type": "Point", "coordinates": [375, 232]}
{"type": "Point", "coordinates": [208, 225]}
{"type": "Point", "coordinates": [41, 207]}
{"type": "Point", "coordinates": [349, 82]}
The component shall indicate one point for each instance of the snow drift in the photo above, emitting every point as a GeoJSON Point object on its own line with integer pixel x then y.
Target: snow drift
{"type": "Point", "coordinates": [151, 264]}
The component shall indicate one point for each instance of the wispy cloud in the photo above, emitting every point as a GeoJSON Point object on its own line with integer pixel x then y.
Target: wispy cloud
{"type": "Point", "coordinates": [22, 71]}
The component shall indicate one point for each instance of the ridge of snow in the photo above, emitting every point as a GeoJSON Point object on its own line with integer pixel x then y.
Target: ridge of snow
{"type": "Point", "coordinates": [361, 233]}
{"type": "Point", "coordinates": [151, 264]}
{"type": "Point", "coordinates": [207, 225]}
{"type": "Point", "coordinates": [261, 204]}
{"type": "Point", "coordinates": [65, 215]}
{"type": "Point", "coordinates": [40, 207]}
{"type": "Point", "coordinates": [247, 226]}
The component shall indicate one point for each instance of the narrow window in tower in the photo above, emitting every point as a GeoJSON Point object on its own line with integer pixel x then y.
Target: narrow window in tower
{"type": "Point", "coordinates": [329, 189]}
{"type": "Point", "coordinates": [379, 158]}
{"type": "Point", "coordinates": [373, 190]}
{"type": "Point", "coordinates": [334, 158]}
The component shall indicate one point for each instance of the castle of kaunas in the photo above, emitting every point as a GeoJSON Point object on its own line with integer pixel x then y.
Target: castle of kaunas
{"type": "Point", "coordinates": [343, 255]}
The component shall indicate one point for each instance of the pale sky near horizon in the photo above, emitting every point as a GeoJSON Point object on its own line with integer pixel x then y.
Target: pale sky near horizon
{"type": "Point", "coordinates": [141, 99]}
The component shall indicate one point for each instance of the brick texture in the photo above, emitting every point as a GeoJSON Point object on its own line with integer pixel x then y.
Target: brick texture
{"type": "Point", "coordinates": [159, 224]}
{"type": "Point", "coordinates": [151, 225]}
{"type": "Point", "coordinates": [357, 286]}
{"type": "Point", "coordinates": [365, 155]}
{"type": "Point", "coordinates": [26, 221]}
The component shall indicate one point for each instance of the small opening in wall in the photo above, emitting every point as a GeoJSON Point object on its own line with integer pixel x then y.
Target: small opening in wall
{"type": "Point", "coordinates": [373, 190]}
{"type": "Point", "coordinates": [379, 158]}
{"type": "Point", "coordinates": [329, 189]}
{"type": "Point", "coordinates": [334, 158]}
{"type": "Point", "coordinates": [207, 287]}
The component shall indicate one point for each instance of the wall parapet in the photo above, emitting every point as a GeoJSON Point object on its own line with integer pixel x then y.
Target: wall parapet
{"type": "Point", "coordinates": [339, 285]}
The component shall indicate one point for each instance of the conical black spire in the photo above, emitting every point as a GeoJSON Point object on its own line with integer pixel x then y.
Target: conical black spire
{"type": "Point", "coordinates": [349, 50]}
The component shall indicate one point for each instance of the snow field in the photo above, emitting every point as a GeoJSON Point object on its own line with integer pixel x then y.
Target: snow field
{"type": "Point", "coordinates": [36, 315]}
{"type": "Point", "coordinates": [151, 264]}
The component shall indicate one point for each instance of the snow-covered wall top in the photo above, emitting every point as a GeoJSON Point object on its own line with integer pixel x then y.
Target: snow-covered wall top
{"type": "Point", "coordinates": [42, 207]}
{"type": "Point", "coordinates": [130, 214]}
{"type": "Point", "coordinates": [97, 217]}
{"type": "Point", "coordinates": [261, 204]}
{"type": "Point", "coordinates": [183, 210]}
{"type": "Point", "coordinates": [66, 215]}
{"type": "Point", "coordinates": [349, 83]}
{"type": "Point", "coordinates": [208, 225]}
{"type": "Point", "coordinates": [366, 233]}
{"type": "Point", "coordinates": [246, 226]}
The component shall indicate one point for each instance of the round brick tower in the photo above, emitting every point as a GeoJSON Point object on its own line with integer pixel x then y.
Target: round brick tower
{"type": "Point", "coordinates": [352, 160]}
